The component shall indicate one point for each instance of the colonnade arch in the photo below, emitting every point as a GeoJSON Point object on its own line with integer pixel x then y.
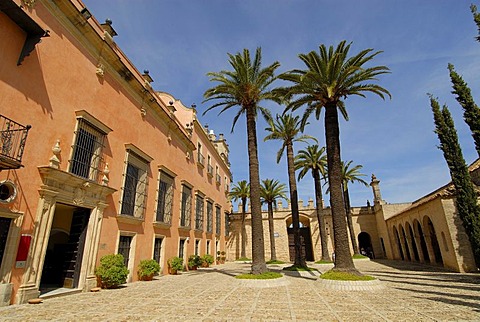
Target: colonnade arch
{"type": "Point", "coordinates": [417, 241]}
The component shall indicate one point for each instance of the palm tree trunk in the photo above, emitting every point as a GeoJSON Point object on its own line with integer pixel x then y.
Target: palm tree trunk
{"type": "Point", "coordinates": [299, 259]}
{"type": "Point", "coordinates": [244, 231]}
{"type": "Point", "coordinates": [346, 198]}
{"type": "Point", "coordinates": [273, 253]}
{"type": "Point", "coordinates": [258, 247]}
{"type": "Point", "coordinates": [343, 258]}
{"type": "Point", "coordinates": [321, 221]}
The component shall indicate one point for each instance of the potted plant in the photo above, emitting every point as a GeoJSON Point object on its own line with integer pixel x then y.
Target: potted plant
{"type": "Point", "coordinates": [194, 261]}
{"type": "Point", "coordinates": [147, 268]}
{"type": "Point", "coordinates": [112, 271]}
{"type": "Point", "coordinates": [207, 260]}
{"type": "Point", "coordinates": [175, 264]}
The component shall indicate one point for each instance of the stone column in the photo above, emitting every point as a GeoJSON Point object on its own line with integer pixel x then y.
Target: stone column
{"type": "Point", "coordinates": [431, 253]}
{"type": "Point", "coordinates": [36, 256]}
{"type": "Point", "coordinates": [410, 248]}
{"type": "Point", "coordinates": [404, 248]}
{"type": "Point", "coordinates": [91, 245]}
{"type": "Point", "coordinates": [418, 241]}
{"type": "Point", "coordinates": [11, 247]}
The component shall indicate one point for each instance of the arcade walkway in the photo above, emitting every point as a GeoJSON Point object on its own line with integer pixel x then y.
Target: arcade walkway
{"type": "Point", "coordinates": [412, 292]}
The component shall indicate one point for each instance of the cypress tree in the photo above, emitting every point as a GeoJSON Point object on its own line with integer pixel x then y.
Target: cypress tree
{"type": "Point", "coordinates": [466, 197]}
{"type": "Point", "coordinates": [471, 112]}
{"type": "Point", "coordinates": [476, 18]}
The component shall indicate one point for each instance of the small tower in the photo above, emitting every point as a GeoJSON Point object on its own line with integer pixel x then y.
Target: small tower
{"type": "Point", "coordinates": [377, 196]}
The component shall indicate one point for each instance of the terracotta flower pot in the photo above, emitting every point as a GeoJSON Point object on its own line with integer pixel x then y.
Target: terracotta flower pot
{"type": "Point", "coordinates": [147, 277]}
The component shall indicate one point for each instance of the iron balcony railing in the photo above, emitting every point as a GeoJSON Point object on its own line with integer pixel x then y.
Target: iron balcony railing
{"type": "Point", "coordinates": [12, 143]}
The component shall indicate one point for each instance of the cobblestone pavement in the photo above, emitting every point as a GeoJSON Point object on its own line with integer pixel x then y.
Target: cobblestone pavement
{"type": "Point", "coordinates": [412, 292]}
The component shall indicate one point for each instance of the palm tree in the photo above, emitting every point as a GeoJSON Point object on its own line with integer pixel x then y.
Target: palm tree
{"type": "Point", "coordinates": [270, 191]}
{"type": "Point", "coordinates": [314, 159]}
{"type": "Point", "coordinates": [351, 175]}
{"type": "Point", "coordinates": [287, 128]}
{"type": "Point", "coordinates": [245, 87]}
{"type": "Point", "coordinates": [329, 78]}
{"type": "Point", "coordinates": [241, 191]}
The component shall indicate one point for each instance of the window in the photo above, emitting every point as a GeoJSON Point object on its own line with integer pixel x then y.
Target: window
{"type": "Point", "coordinates": [226, 224]}
{"type": "Point", "coordinates": [209, 217]}
{"type": "Point", "coordinates": [4, 228]}
{"type": "Point", "coordinates": [157, 249]}
{"type": "Point", "coordinates": [181, 248]}
{"type": "Point", "coordinates": [218, 178]}
{"type": "Point", "coordinates": [199, 212]}
{"type": "Point", "coordinates": [87, 150]}
{"type": "Point", "coordinates": [186, 206]}
{"type": "Point", "coordinates": [227, 185]}
{"type": "Point", "coordinates": [124, 248]}
{"type": "Point", "coordinates": [135, 185]}
{"type": "Point", "coordinates": [165, 199]}
{"type": "Point", "coordinates": [197, 246]}
{"type": "Point", "coordinates": [209, 166]}
{"type": "Point", "coordinates": [218, 223]}
{"type": "Point", "coordinates": [201, 158]}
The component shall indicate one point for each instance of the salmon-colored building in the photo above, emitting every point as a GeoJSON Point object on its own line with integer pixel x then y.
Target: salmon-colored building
{"type": "Point", "coordinates": [93, 160]}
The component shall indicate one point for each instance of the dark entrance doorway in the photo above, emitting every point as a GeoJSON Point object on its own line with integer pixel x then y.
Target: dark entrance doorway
{"type": "Point", "coordinates": [63, 259]}
{"type": "Point", "coordinates": [306, 243]}
{"type": "Point", "coordinates": [4, 228]}
{"type": "Point", "coordinates": [365, 244]}
{"type": "Point", "coordinates": [434, 242]}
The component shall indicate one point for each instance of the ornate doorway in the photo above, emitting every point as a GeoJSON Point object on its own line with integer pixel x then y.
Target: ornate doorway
{"type": "Point", "coordinates": [64, 255]}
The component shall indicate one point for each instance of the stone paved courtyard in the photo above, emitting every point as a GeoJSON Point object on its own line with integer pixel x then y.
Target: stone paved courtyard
{"type": "Point", "coordinates": [412, 292]}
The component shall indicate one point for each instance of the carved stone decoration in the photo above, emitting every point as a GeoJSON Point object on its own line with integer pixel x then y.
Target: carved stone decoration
{"type": "Point", "coordinates": [100, 70]}
{"type": "Point", "coordinates": [55, 159]}
{"type": "Point", "coordinates": [29, 3]}
{"type": "Point", "coordinates": [79, 196]}
{"type": "Point", "coordinates": [106, 171]}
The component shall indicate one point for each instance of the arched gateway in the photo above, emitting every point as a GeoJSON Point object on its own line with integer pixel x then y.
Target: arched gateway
{"type": "Point", "coordinates": [305, 238]}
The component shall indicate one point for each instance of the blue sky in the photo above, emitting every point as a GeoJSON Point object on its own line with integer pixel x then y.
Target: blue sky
{"type": "Point", "coordinates": [179, 41]}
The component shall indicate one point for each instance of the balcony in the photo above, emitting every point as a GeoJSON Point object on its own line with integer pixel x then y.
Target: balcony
{"type": "Point", "coordinates": [12, 143]}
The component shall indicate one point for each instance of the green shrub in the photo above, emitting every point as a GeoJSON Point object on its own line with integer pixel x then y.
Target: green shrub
{"type": "Point", "coordinates": [358, 256]}
{"type": "Point", "coordinates": [147, 268]}
{"type": "Point", "coordinates": [175, 264]}
{"type": "Point", "coordinates": [194, 261]}
{"type": "Point", "coordinates": [345, 276]}
{"type": "Point", "coordinates": [298, 268]}
{"type": "Point", "coordinates": [243, 259]}
{"type": "Point", "coordinates": [207, 259]}
{"type": "Point", "coordinates": [263, 276]}
{"type": "Point", "coordinates": [112, 271]}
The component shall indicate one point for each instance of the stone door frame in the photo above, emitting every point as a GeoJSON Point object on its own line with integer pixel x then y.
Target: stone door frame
{"type": "Point", "coordinates": [63, 187]}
